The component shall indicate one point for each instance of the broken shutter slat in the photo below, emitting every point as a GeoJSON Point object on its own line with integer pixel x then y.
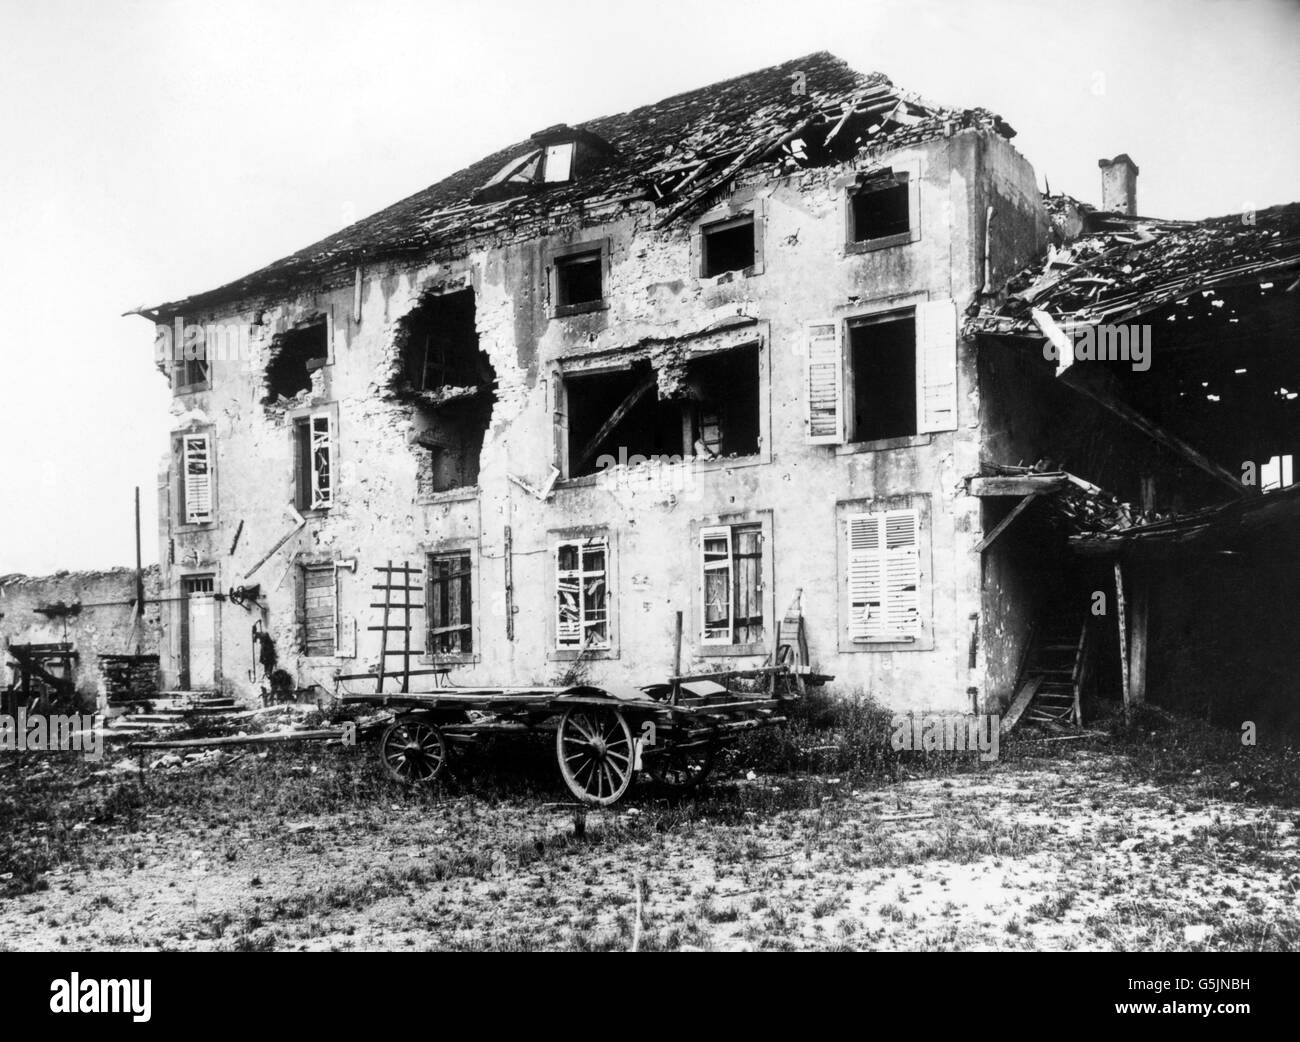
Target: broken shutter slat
{"type": "Point", "coordinates": [197, 463]}
{"type": "Point", "coordinates": [936, 393]}
{"type": "Point", "coordinates": [823, 394]}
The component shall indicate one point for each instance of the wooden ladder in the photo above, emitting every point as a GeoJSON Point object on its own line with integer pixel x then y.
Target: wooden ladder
{"type": "Point", "coordinates": [405, 606]}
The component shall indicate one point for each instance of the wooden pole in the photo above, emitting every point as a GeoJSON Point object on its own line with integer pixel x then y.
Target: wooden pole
{"type": "Point", "coordinates": [1123, 637]}
{"type": "Point", "coordinates": [677, 653]}
{"type": "Point", "coordinates": [1138, 643]}
{"type": "Point", "coordinates": [510, 584]}
{"type": "Point", "coordinates": [139, 575]}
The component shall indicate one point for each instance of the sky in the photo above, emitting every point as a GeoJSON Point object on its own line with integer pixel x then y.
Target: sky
{"type": "Point", "coordinates": [159, 148]}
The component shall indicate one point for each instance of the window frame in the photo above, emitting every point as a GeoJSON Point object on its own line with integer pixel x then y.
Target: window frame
{"type": "Point", "coordinates": [584, 536]}
{"type": "Point", "coordinates": [910, 174]}
{"type": "Point", "coordinates": [307, 418]}
{"type": "Point", "coordinates": [179, 496]}
{"type": "Point", "coordinates": [558, 256]}
{"type": "Point", "coordinates": [460, 548]}
{"type": "Point", "coordinates": [757, 519]}
{"type": "Point", "coordinates": [919, 504]}
{"type": "Point", "coordinates": [743, 206]}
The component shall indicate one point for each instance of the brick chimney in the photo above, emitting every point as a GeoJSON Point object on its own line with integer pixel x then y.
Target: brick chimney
{"type": "Point", "coordinates": [1119, 185]}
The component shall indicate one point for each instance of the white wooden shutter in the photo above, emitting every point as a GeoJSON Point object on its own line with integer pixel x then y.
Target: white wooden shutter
{"type": "Point", "coordinates": [824, 385]}
{"type": "Point", "coordinates": [322, 462]}
{"type": "Point", "coordinates": [884, 576]}
{"type": "Point", "coordinates": [936, 370]}
{"type": "Point", "coordinates": [197, 465]}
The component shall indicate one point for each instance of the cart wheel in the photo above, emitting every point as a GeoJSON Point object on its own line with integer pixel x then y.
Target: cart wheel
{"type": "Point", "coordinates": [413, 751]}
{"type": "Point", "coordinates": [594, 747]}
{"type": "Point", "coordinates": [684, 768]}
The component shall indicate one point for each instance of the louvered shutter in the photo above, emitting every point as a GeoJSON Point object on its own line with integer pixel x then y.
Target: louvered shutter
{"type": "Point", "coordinates": [936, 371]}
{"type": "Point", "coordinates": [823, 386]}
{"type": "Point", "coordinates": [197, 464]}
{"type": "Point", "coordinates": [884, 576]}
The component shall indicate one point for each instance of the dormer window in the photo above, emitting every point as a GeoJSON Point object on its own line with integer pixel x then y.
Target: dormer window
{"type": "Point", "coordinates": [560, 154]}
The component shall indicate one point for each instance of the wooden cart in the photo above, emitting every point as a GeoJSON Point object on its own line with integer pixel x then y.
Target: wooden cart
{"type": "Point", "coordinates": [602, 737]}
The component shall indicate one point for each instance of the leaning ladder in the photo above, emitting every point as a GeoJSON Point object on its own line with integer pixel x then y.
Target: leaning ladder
{"type": "Point", "coordinates": [397, 580]}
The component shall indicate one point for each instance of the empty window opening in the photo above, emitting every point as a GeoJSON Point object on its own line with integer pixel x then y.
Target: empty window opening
{"type": "Point", "coordinates": [727, 246]}
{"type": "Point", "coordinates": [879, 212]}
{"type": "Point", "coordinates": [882, 359]}
{"type": "Point", "coordinates": [722, 402]}
{"type": "Point", "coordinates": [731, 561]}
{"type": "Point", "coordinates": [450, 385]}
{"type": "Point", "coordinates": [578, 279]}
{"type": "Point", "coordinates": [319, 610]}
{"type": "Point", "coordinates": [884, 576]}
{"type": "Point", "coordinates": [450, 605]}
{"type": "Point", "coordinates": [620, 417]}
{"type": "Point", "coordinates": [295, 355]}
{"type": "Point", "coordinates": [1277, 473]}
{"type": "Point", "coordinates": [314, 462]}
{"type": "Point", "coordinates": [582, 595]}
{"type": "Point", "coordinates": [192, 372]}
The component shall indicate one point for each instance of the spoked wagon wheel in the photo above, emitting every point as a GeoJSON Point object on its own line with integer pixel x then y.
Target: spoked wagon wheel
{"type": "Point", "coordinates": [594, 747]}
{"type": "Point", "coordinates": [413, 751]}
{"type": "Point", "coordinates": [684, 768]}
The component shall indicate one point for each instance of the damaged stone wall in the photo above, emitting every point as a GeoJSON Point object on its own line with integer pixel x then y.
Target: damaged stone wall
{"type": "Point", "coordinates": [653, 295]}
{"type": "Point", "coordinates": [101, 621]}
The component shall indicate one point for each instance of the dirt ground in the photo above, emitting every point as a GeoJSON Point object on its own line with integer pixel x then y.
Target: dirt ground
{"type": "Point", "coordinates": [1058, 846]}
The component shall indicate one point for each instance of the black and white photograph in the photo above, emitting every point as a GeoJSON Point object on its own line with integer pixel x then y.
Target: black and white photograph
{"type": "Point", "coordinates": [694, 477]}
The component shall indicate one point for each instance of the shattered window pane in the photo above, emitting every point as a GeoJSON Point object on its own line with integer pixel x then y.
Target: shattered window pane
{"type": "Point", "coordinates": [582, 608]}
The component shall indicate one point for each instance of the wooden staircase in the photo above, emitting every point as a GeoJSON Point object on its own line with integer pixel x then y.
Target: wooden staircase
{"type": "Point", "coordinates": [1051, 674]}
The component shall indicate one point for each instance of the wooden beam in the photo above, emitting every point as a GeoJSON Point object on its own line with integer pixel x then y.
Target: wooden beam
{"type": "Point", "coordinates": [1004, 524]}
{"type": "Point", "coordinates": [615, 418]}
{"type": "Point", "coordinates": [1138, 644]}
{"type": "Point", "coordinates": [1123, 637]}
{"type": "Point", "coordinates": [1020, 703]}
{"type": "Point", "coordinates": [1017, 485]}
{"type": "Point", "coordinates": [1158, 434]}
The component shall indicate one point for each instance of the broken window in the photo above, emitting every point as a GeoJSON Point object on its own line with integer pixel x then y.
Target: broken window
{"type": "Point", "coordinates": [727, 246]}
{"type": "Point", "coordinates": [880, 209]}
{"type": "Point", "coordinates": [578, 279]}
{"type": "Point", "coordinates": [193, 373]}
{"type": "Point", "coordinates": [319, 609]}
{"type": "Point", "coordinates": [195, 489]}
{"type": "Point", "coordinates": [314, 462]}
{"type": "Point", "coordinates": [582, 595]}
{"type": "Point", "coordinates": [620, 416]}
{"type": "Point", "coordinates": [884, 576]}
{"type": "Point", "coordinates": [1277, 473]}
{"type": "Point", "coordinates": [731, 560]}
{"type": "Point", "coordinates": [295, 355]}
{"type": "Point", "coordinates": [882, 360]}
{"type": "Point", "coordinates": [450, 604]}
{"type": "Point", "coordinates": [451, 385]}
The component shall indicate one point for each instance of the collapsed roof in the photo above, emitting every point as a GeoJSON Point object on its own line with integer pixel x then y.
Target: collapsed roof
{"type": "Point", "coordinates": [678, 153]}
{"type": "Point", "coordinates": [1110, 268]}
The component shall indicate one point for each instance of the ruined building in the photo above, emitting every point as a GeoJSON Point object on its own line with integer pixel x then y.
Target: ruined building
{"type": "Point", "coordinates": [718, 355]}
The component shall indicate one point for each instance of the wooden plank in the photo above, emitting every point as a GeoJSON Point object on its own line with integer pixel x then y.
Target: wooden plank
{"type": "Point", "coordinates": [1017, 485]}
{"type": "Point", "coordinates": [243, 739]}
{"type": "Point", "coordinates": [1138, 640]}
{"type": "Point", "coordinates": [1123, 636]}
{"type": "Point", "coordinates": [616, 417]}
{"type": "Point", "coordinates": [1004, 524]}
{"type": "Point", "coordinates": [1020, 703]}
